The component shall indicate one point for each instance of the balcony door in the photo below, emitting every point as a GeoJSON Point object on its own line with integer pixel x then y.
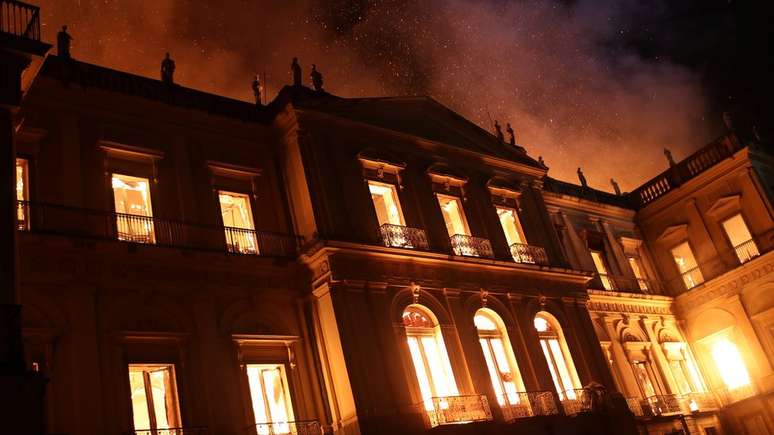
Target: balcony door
{"type": "Point", "coordinates": [500, 361]}
{"type": "Point", "coordinates": [238, 224]}
{"type": "Point", "coordinates": [132, 204]}
{"type": "Point", "coordinates": [270, 397]}
{"type": "Point", "coordinates": [155, 405]}
{"type": "Point", "coordinates": [428, 353]}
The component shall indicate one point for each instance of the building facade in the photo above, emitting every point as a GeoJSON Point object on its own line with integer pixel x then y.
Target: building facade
{"type": "Point", "coordinates": [191, 264]}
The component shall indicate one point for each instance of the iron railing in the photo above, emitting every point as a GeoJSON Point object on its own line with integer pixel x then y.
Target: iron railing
{"type": "Point", "coordinates": [22, 216]}
{"type": "Point", "coordinates": [672, 404]}
{"type": "Point", "coordinates": [300, 427]}
{"type": "Point", "coordinates": [457, 409]}
{"type": "Point", "coordinates": [202, 430]}
{"type": "Point", "coordinates": [528, 404]}
{"type": "Point", "coordinates": [470, 246]}
{"type": "Point", "coordinates": [398, 236]}
{"type": "Point", "coordinates": [606, 281]}
{"type": "Point", "coordinates": [629, 285]}
{"type": "Point", "coordinates": [577, 400]}
{"type": "Point", "coordinates": [523, 253]}
{"type": "Point", "coordinates": [683, 171]}
{"type": "Point", "coordinates": [20, 19]}
{"type": "Point", "coordinates": [746, 251]}
{"type": "Point", "coordinates": [65, 220]}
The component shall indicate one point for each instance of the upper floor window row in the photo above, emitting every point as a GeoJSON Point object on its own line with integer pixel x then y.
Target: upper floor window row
{"type": "Point", "coordinates": [385, 190]}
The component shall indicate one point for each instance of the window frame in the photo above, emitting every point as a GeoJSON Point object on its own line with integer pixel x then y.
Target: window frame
{"type": "Point", "coordinates": [723, 229]}
{"type": "Point", "coordinates": [500, 332]}
{"type": "Point", "coordinates": [695, 260]}
{"type": "Point", "coordinates": [517, 224]}
{"type": "Point", "coordinates": [152, 235]}
{"type": "Point", "coordinates": [604, 277]}
{"type": "Point", "coordinates": [395, 188]}
{"type": "Point", "coordinates": [463, 215]}
{"type": "Point", "coordinates": [558, 335]}
{"type": "Point", "coordinates": [24, 208]}
{"type": "Point", "coordinates": [290, 405]}
{"type": "Point", "coordinates": [174, 383]}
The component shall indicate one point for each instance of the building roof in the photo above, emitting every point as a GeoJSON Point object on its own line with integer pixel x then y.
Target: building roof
{"type": "Point", "coordinates": [74, 72]}
{"type": "Point", "coordinates": [588, 193]}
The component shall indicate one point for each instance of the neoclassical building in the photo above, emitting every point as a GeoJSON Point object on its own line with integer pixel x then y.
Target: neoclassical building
{"type": "Point", "coordinates": [185, 263]}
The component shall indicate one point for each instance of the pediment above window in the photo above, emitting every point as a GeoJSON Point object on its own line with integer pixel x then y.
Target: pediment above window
{"type": "Point", "coordinates": [234, 171]}
{"type": "Point", "coordinates": [503, 188]}
{"type": "Point", "coordinates": [725, 205]}
{"type": "Point", "coordinates": [447, 180]}
{"type": "Point", "coordinates": [374, 159]}
{"type": "Point", "coordinates": [673, 234]}
{"type": "Point", "coordinates": [130, 152]}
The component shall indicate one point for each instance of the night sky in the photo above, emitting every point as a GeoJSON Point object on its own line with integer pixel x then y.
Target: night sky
{"type": "Point", "coordinates": [601, 84]}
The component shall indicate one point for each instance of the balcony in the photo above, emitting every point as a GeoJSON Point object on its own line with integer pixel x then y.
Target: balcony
{"type": "Point", "coordinates": [95, 224]}
{"type": "Point", "coordinates": [173, 431]}
{"type": "Point", "coordinates": [692, 278]}
{"type": "Point", "coordinates": [20, 19]}
{"type": "Point", "coordinates": [627, 285]}
{"type": "Point", "coordinates": [672, 404]}
{"type": "Point", "coordinates": [577, 401]}
{"type": "Point", "coordinates": [398, 236]}
{"type": "Point", "coordinates": [470, 246]}
{"type": "Point", "coordinates": [528, 254]}
{"type": "Point", "coordinates": [746, 251]}
{"type": "Point", "coordinates": [457, 409]}
{"type": "Point", "coordinates": [307, 427]}
{"type": "Point", "coordinates": [529, 404]}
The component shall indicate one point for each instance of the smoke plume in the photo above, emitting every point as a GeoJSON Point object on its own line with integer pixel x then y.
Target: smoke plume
{"type": "Point", "coordinates": [559, 71]}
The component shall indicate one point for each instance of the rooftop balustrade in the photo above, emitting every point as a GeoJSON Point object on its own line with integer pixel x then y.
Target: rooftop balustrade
{"type": "Point", "coordinates": [20, 19]}
{"type": "Point", "coordinates": [95, 224]}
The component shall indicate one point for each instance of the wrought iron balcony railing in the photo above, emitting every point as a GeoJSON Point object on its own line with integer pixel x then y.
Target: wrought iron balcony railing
{"type": "Point", "coordinates": [64, 220]}
{"type": "Point", "coordinates": [457, 409]}
{"type": "Point", "coordinates": [746, 251]}
{"type": "Point", "coordinates": [20, 19]}
{"type": "Point", "coordinates": [305, 427]}
{"type": "Point", "coordinates": [528, 404]}
{"type": "Point", "coordinates": [672, 404]}
{"type": "Point", "coordinates": [576, 401]}
{"type": "Point", "coordinates": [470, 246]}
{"type": "Point", "coordinates": [606, 281]}
{"type": "Point", "coordinates": [398, 236]}
{"type": "Point", "coordinates": [529, 254]}
{"type": "Point", "coordinates": [173, 431]}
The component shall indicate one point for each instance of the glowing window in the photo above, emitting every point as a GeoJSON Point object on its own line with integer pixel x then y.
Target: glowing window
{"type": "Point", "coordinates": [635, 265]}
{"type": "Point", "coordinates": [643, 374]}
{"type": "Point", "coordinates": [676, 366]}
{"type": "Point", "coordinates": [386, 203]}
{"type": "Point", "coordinates": [238, 222]}
{"type": "Point", "coordinates": [453, 215]}
{"type": "Point", "coordinates": [730, 364]}
{"type": "Point", "coordinates": [599, 264]}
{"type": "Point", "coordinates": [272, 408]}
{"type": "Point", "coordinates": [687, 266]}
{"type": "Point", "coordinates": [509, 220]}
{"type": "Point", "coordinates": [22, 194]}
{"type": "Point", "coordinates": [557, 356]}
{"type": "Point", "coordinates": [134, 215]}
{"type": "Point", "coordinates": [154, 396]}
{"type": "Point", "coordinates": [498, 354]}
{"type": "Point", "coordinates": [740, 238]}
{"type": "Point", "coordinates": [428, 353]}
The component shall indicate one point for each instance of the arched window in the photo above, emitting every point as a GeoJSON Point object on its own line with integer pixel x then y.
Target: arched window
{"type": "Point", "coordinates": [557, 355]}
{"type": "Point", "coordinates": [428, 353]}
{"type": "Point", "coordinates": [503, 370]}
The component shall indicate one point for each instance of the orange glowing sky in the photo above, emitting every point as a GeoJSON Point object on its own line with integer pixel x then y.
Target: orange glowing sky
{"type": "Point", "coordinates": [552, 70]}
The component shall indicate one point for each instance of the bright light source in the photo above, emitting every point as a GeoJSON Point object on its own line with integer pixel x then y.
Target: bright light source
{"type": "Point", "coordinates": [541, 324]}
{"type": "Point", "coordinates": [693, 405]}
{"type": "Point", "coordinates": [730, 364]}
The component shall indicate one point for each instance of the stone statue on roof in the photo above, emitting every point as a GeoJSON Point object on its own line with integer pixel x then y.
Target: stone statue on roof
{"type": "Point", "coordinates": [317, 79]}
{"type": "Point", "coordinates": [499, 131]}
{"type": "Point", "coordinates": [295, 68]}
{"type": "Point", "coordinates": [582, 178]}
{"type": "Point", "coordinates": [670, 159]}
{"type": "Point", "coordinates": [63, 40]}
{"type": "Point", "coordinates": [616, 187]}
{"type": "Point", "coordinates": [167, 70]}
{"type": "Point", "coordinates": [512, 137]}
{"type": "Point", "coordinates": [256, 86]}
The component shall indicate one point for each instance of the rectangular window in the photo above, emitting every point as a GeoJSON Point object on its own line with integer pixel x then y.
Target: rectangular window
{"type": "Point", "coordinates": [509, 220]}
{"type": "Point", "coordinates": [270, 396]}
{"type": "Point", "coordinates": [687, 266]}
{"type": "Point", "coordinates": [134, 215]}
{"type": "Point", "coordinates": [386, 203]}
{"type": "Point", "coordinates": [679, 373]}
{"type": "Point", "coordinates": [453, 215]}
{"type": "Point", "coordinates": [641, 281]}
{"type": "Point", "coordinates": [238, 222]}
{"type": "Point", "coordinates": [599, 263]}
{"type": "Point", "coordinates": [740, 238]}
{"type": "Point", "coordinates": [22, 194]}
{"type": "Point", "coordinates": [154, 397]}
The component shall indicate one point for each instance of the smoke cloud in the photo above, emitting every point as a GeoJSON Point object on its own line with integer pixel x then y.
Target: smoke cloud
{"type": "Point", "coordinates": [559, 72]}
